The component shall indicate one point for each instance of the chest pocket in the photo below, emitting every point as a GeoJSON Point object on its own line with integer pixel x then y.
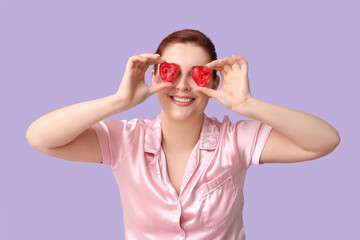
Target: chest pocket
{"type": "Point", "coordinates": [217, 198]}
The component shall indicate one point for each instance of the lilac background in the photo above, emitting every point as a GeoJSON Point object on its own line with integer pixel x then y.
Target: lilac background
{"type": "Point", "coordinates": [302, 55]}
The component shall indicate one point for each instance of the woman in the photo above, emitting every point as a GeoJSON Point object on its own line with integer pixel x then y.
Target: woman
{"type": "Point", "coordinates": [181, 174]}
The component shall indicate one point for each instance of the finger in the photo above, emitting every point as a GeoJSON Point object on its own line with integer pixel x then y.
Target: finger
{"type": "Point", "coordinates": [229, 61]}
{"type": "Point", "coordinates": [159, 86]}
{"type": "Point", "coordinates": [143, 61]}
{"type": "Point", "coordinates": [221, 70]}
{"type": "Point", "coordinates": [218, 64]}
{"type": "Point", "coordinates": [227, 68]}
{"type": "Point", "coordinates": [244, 63]}
{"type": "Point", "coordinates": [214, 65]}
{"type": "Point", "coordinates": [138, 59]}
{"type": "Point", "coordinates": [228, 64]}
{"type": "Point", "coordinates": [221, 62]}
{"type": "Point", "coordinates": [143, 57]}
{"type": "Point", "coordinates": [236, 66]}
{"type": "Point", "coordinates": [207, 91]}
{"type": "Point", "coordinates": [215, 68]}
{"type": "Point", "coordinates": [137, 62]}
{"type": "Point", "coordinates": [152, 58]}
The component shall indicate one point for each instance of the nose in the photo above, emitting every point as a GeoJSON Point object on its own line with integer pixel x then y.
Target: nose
{"type": "Point", "coordinates": [183, 83]}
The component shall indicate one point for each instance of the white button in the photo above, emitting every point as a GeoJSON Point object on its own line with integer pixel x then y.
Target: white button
{"type": "Point", "coordinates": [178, 213]}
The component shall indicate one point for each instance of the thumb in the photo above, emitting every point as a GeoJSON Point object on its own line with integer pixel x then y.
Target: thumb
{"type": "Point", "coordinates": [207, 91]}
{"type": "Point", "coordinates": [159, 86]}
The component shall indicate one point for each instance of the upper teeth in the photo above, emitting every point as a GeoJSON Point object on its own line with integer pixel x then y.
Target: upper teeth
{"type": "Point", "coordinates": [182, 99]}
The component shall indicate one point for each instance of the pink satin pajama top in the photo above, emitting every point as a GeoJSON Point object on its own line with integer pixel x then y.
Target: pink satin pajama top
{"type": "Point", "coordinates": [210, 203]}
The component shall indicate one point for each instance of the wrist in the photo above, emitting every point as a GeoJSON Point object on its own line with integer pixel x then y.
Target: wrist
{"type": "Point", "coordinates": [118, 103]}
{"type": "Point", "coordinates": [246, 107]}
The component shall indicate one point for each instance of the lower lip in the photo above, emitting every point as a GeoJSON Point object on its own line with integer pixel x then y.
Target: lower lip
{"type": "Point", "coordinates": [182, 104]}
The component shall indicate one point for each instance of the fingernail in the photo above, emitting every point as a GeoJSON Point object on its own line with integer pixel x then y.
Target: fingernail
{"type": "Point", "coordinates": [160, 57]}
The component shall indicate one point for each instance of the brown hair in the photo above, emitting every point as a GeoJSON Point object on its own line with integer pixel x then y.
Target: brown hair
{"type": "Point", "coordinates": [189, 35]}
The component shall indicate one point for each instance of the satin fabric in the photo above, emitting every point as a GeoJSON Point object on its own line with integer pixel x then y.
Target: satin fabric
{"type": "Point", "coordinates": [210, 203]}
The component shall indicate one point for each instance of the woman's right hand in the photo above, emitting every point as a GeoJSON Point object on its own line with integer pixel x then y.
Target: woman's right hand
{"type": "Point", "coordinates": [133, 89]}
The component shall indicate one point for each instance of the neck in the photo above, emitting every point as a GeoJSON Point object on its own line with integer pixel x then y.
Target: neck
{"type": "Point", "coordinates": [179, 135]}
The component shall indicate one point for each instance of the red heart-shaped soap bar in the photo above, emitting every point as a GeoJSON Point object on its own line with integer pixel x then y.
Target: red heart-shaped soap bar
{"type": "Point", "coordinates": [168, 71]}
{"type": "Point", "coordinates": [201, 75]}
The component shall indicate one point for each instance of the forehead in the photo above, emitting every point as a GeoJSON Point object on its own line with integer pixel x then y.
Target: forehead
{"type": "Point", "coordinates": [185, 55]}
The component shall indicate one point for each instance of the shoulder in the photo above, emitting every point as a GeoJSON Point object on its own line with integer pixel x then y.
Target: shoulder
{"type": "Point", "coordinates": [238, 128]}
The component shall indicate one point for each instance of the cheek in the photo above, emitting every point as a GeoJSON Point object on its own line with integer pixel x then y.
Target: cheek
{"type": "Point", "coordinates": [161, 97]}
{"type": "Point", "coordinates": [203, 98]}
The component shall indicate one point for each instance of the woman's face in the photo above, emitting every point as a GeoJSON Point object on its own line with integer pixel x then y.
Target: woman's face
{"type": "Point", "coordinates": [174, 101]}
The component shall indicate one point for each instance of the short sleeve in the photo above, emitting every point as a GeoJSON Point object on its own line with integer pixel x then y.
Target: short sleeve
{"type": "Point", "coordinates": [110, 135]}
{"type": "Point", "coordinates": [251, 139]}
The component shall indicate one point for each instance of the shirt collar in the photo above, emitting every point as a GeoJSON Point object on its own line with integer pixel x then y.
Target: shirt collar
{"type": "Point", "coordinates": [209, 135]}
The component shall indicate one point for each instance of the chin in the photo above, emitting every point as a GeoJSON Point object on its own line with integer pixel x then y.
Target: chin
{"type": "Point", "coordinates": [183, 116]}
{"type": "Point", "coordinates": [178, 113]}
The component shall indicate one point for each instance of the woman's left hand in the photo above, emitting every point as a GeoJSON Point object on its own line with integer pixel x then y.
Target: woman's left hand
{"type": "Point", "coordinates": [235, 83]}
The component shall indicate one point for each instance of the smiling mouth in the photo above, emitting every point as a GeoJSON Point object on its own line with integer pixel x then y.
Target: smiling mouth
{"type": "Point", "coordinates": [186, 100]}
{"type": "Point", "coordinates": [182, 100]}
